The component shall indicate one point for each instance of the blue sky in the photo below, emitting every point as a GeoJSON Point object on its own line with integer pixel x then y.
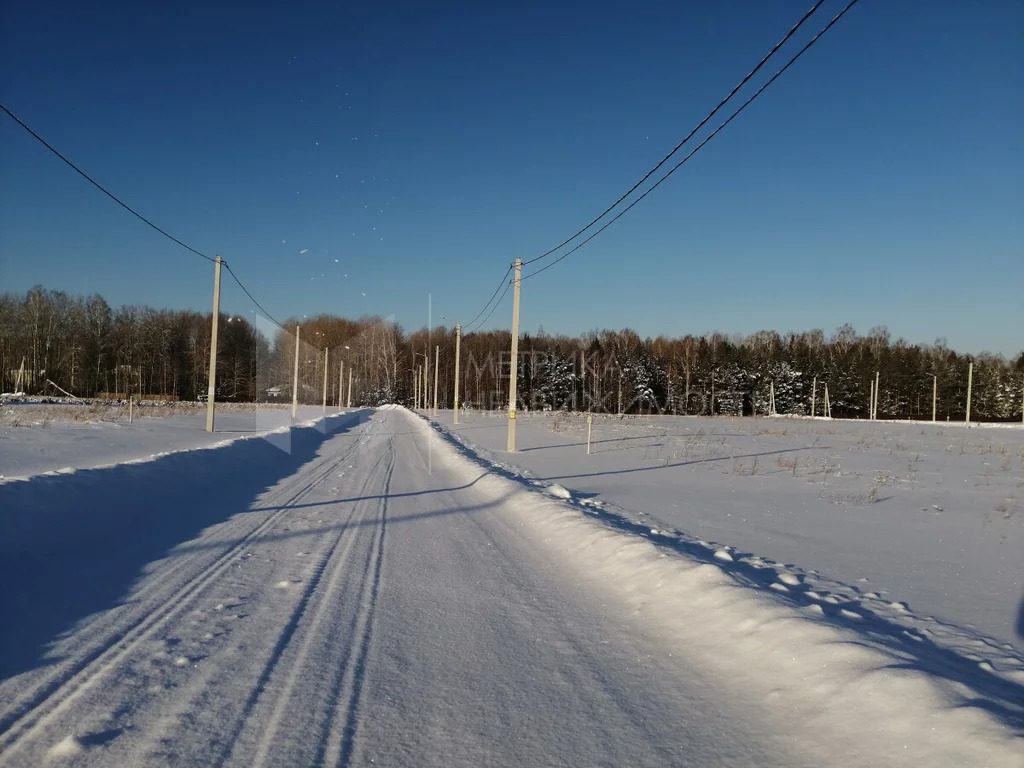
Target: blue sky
{"type": "Point", "coordinates": [412, 149]}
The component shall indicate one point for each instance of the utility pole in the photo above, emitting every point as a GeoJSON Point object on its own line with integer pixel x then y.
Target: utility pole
{"type": "Point", "coordinates": [935, 395]}
{"type": "Point", "coordinates": [295, 375]}
{"type": "Point", "coordinates": [458, 341]}
{"type": "Point", "coordinates": [426, 377]}
{"type": "Point", "coordinates": [348, 400]}
{"type": "Point", "coordinates": [583, 379]}
{"type": "Point", "coordinates": [211, 391]}
{"type": "Point", "coordinates": [437, 367]}
{"type": "Point", "coordinates": [416, 389]}
{"type": "Point", "coordinates": [877, 393]}
{"type": "Point", "coordinates": [970, 381]}
{"type": "Point", "coordinates": [341, 382]}
{"type": "Point", "coordinates": [814, 395]}
{"type": "Point", "coordinates": [513, 373]}
{"type": "Point", "coordinates": [325, 380]}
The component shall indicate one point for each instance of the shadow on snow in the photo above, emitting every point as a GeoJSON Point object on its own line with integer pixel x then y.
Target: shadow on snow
{"type": "Point", "coordinates": [908, 648]}
{"type": "Point", "coordinates": [73, 545]}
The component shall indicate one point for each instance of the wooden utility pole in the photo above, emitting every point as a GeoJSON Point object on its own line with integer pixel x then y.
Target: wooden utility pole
{"type": "Point", "coordinates": [341, 382]}
{"type": "Point", "coordinates": [970, 381]}
{"type": "Point", "coordinates": [514, 368]}
{"type": "Point", "coordinates": [458, 340]}
{"type": "Point", "coordinates": [348, 400]}
{"type": "Point", "coordinates": [935, 395]}
{"type": "Point", "coordinates": [211, 391]}
{"type": "Point", "coordinates": [295, 375]}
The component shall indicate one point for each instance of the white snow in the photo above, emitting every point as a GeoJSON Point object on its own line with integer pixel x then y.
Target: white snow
{"type": "Point", "coordinates": [926, 514]}
{"type": "Point", "coordinates": [67, 747]}
{"type": "Point", "coordinates": [558, 491]}
{"type": "Point", "coordinates": [62, 446]}
{"type": "Point", "coordinates": [441, 610]}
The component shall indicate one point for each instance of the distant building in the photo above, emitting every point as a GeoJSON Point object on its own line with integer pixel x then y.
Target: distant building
{"type": "Point", "coordinates": [277, 393]}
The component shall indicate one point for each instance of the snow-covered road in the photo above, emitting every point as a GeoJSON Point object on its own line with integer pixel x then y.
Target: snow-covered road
{"type": "Point", "coordinates": [382, 601]}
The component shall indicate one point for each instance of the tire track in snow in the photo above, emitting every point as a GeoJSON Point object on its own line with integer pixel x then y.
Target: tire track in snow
{"type": "Point", "coordinates": [49, 699]}
{"type": "Point", "coordinates": [231, 738]}
{"type": "Point", "coordinates": [336, 747]}
{"type": "Point", "coordinates": [326, 605]}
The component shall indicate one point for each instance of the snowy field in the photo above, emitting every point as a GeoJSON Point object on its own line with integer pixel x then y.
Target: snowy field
{"type": "Point", "coordinates": [364, 589]}
{"type": "Point", "coordinates": [49, 438]}
{"type": "Point", "coordinates": [927, 515]}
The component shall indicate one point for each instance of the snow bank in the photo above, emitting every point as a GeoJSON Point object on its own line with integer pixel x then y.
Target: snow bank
{"type": "Point", "coordinates": [65, 447]}
{"type": "Point", "coordinates": [97, 529]}
{"type": "Point", "coordinates": [877, 696]}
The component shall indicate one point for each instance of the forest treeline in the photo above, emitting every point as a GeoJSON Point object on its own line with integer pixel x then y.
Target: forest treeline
{"type": "Point", "coordinates": [80, 344]}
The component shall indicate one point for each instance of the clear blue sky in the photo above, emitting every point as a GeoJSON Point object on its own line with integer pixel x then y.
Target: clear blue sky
{"type": "Point", "coordinates": [415, 148]}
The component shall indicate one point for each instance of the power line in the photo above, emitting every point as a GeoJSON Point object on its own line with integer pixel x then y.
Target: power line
{"type": "Point", "coordinates": [500, 283]}
{"type": "Point", "coordinates": [689, 136]}
{"type": "Point", "coordinates": [100, 187]}
{"type": "Point", "coordinates": [252, 298]}
{"type": "Point", "coordinates": [498, 304]}
{"type": "Point", "coordinates": [138, 215]}
{"type": "Point", "coordinates": [694, 151]}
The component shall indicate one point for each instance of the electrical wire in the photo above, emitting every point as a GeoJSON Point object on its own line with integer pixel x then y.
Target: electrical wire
{"type": "Point", "coordinates": [139, 216]}
{"type": "Point", "coordinates": [498, 304]}
{"type": "Point", "coordinates": [100, 187]}
{"type": "Point", "coordinates": [252, 298]}
{"type": "Point", "coordinates": [694, 151]}
{"type": "Point", "coordinates": [478, 314]}
{"type": "Point", "coordinates": [689, 136]}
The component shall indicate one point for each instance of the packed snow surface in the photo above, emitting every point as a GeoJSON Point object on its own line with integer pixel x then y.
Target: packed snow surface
{"type": "Point", "coordinates": [925, 514]}
{"type": "Point", "coordinates": [381, 594]}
